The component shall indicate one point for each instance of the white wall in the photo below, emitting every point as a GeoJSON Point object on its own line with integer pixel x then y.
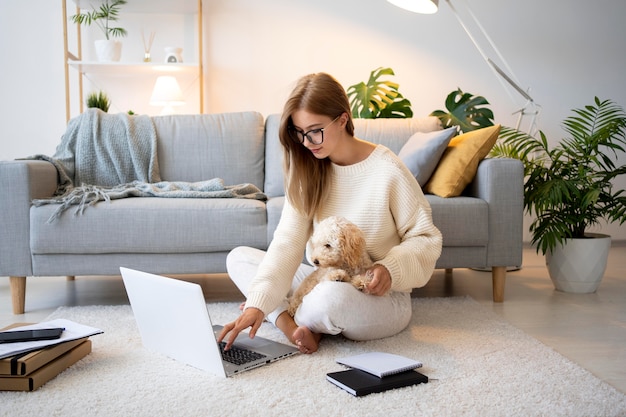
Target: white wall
{"type": "Point", "coordinates": [567, 51]}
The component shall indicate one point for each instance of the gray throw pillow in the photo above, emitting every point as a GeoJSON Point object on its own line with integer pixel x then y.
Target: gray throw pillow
{"type": "Point", "coordinates": [422, 152]}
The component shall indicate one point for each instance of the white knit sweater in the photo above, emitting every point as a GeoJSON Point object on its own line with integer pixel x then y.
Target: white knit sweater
{"type": "Point", "coordinates": [379, 195]}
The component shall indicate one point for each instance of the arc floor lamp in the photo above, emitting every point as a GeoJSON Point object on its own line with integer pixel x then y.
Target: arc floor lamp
{"type": "Point", "coordinates": [504, 75]}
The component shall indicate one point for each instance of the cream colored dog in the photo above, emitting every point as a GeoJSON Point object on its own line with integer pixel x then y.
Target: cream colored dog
{"type": "Point", "coordinates": [338, 251]}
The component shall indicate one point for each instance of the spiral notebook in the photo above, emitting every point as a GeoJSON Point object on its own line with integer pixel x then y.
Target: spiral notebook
{"type": "Point", "coordinates": [380, 364]}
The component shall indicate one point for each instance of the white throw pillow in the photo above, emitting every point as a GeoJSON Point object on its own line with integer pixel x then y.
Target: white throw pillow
{"type": "Point", "coordinates": [422, 152]}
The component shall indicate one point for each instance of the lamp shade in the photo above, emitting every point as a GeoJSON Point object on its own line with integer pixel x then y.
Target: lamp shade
{"type": "Point", "coordinates": [167, 92]}
{"type": "Point", "coordinates": [417, 6]}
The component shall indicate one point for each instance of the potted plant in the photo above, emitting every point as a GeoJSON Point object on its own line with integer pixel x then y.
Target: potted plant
{"type": "Point", "coordinates": [378, 98]}
{"type": "Point", "coordinates": [569, 187]}
{"type": "Point", "coordinates": [99, 100]}
{"type": "Point", "coordinates": [106, 49]}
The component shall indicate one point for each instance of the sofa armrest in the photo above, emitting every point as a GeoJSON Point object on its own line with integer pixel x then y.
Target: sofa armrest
{"type": "Point", "coordinates": [500, 182]}
{"type": "Point", "coordinates": [20, 183]}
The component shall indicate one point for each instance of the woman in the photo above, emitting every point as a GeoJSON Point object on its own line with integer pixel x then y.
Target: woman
{"type": "Point", "coordinates": [330, 172]}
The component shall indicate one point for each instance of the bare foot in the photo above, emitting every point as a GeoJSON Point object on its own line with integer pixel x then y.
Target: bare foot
{"type": "Point", "coordinates": [306, 340]}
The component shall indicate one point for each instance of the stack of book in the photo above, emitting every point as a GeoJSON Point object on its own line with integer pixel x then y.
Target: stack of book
{"type": "Point", "coordinates": [376, 372]}
{"type": "Point", "coordinates": [34, 366]}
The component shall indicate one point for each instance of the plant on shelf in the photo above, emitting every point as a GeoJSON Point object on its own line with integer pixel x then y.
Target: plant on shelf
{"type": "Point", "coordinates": [103, 17]}
{"type": "Point", "coordinates": [107, 13]}
{"type": "Point", "coordinates": [98, 100]}
{"type": "Point", "coordinates": [569, 187]}
{"type": "Point", "coordinates": [465, 111]}
{"type": "Point", "coordinates": [378, 98]}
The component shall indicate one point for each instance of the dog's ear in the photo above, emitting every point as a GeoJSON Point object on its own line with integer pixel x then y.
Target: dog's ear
{"type": "Point", "coordinates": [354, 244]}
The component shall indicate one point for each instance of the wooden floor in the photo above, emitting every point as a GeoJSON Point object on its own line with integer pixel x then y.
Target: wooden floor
{"type": "Point", "coordinates": [589, 329]}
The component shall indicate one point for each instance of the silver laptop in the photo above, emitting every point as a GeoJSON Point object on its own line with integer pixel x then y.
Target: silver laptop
{"type": "Point", "coordinates": [173, 319]}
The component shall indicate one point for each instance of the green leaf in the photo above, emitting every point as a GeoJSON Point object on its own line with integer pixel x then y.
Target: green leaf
{"type": "Point", "coordinates": [106, 13]}
{"type": "Point", "coordinates": [378, 98]}
{"type": "Point", "coordinates": [465, 111]}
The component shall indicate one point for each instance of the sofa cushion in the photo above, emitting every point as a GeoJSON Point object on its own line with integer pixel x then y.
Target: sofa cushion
{"type": "Point", "coordinates": [463, 221]}
{"type": "Point", "coordinates": [459, 162]}
{"type": "Point", "coordinates": [422, 152]}
{"type": "Point", "coordinates": [200, 147]}
{"type": "Point", "coordinates": [151, 225]}
{"type": "Point", "coordinates": [393, 133]}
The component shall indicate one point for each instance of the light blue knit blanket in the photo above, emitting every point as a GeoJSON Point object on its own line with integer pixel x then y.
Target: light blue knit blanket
{"type": "Point", "coordinates": [104, 156]}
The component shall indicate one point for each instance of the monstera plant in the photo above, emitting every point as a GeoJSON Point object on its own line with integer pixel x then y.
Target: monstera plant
{"type": "Point", "coordinates": [378, 98]}
{"type": "Point", "coordinates": [465, 111]}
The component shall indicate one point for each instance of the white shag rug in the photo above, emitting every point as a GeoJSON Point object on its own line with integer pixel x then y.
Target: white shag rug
{"type": "Point", "coordinates": [480, 366]}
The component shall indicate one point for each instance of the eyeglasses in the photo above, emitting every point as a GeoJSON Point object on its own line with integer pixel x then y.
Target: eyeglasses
{"type": "Point", "coordinates": [315, 136]}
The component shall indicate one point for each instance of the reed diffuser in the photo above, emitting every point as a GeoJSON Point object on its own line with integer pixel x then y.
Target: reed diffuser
{"type": "Point", "coordinates": [147, 45]}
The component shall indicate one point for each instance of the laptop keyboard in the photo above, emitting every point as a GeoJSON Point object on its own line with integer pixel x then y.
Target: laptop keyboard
{"type": "Point", "coordinates": [239, 356]}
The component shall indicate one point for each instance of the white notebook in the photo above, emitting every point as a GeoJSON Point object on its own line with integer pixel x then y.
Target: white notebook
{"type": "Point", "coordinates": [380, 363]}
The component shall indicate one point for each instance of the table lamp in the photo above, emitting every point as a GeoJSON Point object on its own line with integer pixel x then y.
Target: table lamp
{"type": "Point", "coordinates": [167, 93]}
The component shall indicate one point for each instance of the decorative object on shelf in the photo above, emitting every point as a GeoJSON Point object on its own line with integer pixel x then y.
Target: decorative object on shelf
{"type": "Point", "coordinates": [569, 188]}
{"type": "Point", "coordinates": [147, 45]}
{"type": "Point", "coordinates": [98, 100]}
{"type": "Point", "coordinates": [167, 93]}
{"type": "Point", "coordinates": [378, 99]}
{"type": "Point", "coordinates": [108, 49]}
{"type": "Point", "coordinates": [173, 54]}
{"type": "Point", "coordinates": [506, 79]}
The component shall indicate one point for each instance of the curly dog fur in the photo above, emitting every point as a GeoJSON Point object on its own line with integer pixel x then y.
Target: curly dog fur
{"type": "Point", "coordinates": [338, 250]}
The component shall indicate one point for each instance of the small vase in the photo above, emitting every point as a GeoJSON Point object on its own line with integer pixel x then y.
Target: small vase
{"type": "Point", "coordinates": [108, 50]}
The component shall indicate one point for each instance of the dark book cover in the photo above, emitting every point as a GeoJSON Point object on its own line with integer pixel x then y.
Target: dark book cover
{"type": "Point", "coordinates": [359, 383]}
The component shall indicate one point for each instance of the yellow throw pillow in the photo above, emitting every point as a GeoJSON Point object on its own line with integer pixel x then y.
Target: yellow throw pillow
{"type": "Point", "coordinates": [459, 163]}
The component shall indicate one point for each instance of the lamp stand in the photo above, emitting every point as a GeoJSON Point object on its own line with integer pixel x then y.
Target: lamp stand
{"type": "Point", "coordinates": [530, 108]}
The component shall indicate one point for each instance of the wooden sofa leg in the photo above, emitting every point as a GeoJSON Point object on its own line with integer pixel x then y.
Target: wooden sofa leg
{"type": "Point", "coordinates": [70, 278]}
{"type": "Point", "coordinates": [498, 276]}
{"type": "Point", "coordinates": [18, 293]}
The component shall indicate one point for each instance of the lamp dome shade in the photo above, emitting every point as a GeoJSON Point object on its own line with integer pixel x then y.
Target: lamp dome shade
{"type": "Point", "coordinates": [167, 92]}
{"type": "Point", "coordinates": [417, 6]}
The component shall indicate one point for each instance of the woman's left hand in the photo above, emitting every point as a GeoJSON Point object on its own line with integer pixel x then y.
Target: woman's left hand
{"type": "Point", "coordinates": [380, 284]}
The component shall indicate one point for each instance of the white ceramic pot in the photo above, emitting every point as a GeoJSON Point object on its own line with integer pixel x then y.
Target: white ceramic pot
{"type": "Point", "coordinates": [578, 266]}
{"type": "Point", "coordinates": [108, 50]}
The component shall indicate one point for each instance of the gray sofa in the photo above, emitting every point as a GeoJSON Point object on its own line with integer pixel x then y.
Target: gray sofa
{"type": "Point", "coordinates": [482, 228]}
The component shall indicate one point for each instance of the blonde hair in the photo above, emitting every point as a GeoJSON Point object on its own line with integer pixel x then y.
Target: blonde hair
{"type": "Point", "coordinates": [308, 179]}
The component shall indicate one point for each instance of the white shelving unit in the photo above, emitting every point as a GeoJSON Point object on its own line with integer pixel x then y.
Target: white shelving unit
{"type": "Point", "coordinates": [73, 58]}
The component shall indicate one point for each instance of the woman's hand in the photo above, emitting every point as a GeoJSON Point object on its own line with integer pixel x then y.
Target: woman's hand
{"type": "Point", "coordinates": [380, 283]}
{"type": "Point", "coordinates": [251, 317]}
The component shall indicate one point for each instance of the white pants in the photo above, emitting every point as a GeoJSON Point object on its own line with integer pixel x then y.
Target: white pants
{"type": "Point", "coordinates": [331, 307]}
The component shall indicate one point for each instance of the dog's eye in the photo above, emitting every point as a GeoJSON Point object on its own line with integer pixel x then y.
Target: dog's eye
{"type": "Point", "coordinates": [328, 246]}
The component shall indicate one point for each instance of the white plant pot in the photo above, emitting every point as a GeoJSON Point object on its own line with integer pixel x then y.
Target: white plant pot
{"type": "Point", "coordinates": [579, 265]}
{"type": "Point", "coordinates": [108, 50]}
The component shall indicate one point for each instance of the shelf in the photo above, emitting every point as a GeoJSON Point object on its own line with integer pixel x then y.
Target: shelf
{"type": "Point", "coordinates": [120, 68]}
{"type": "Point", "coordinates": [111, 74]}
{"type": "Point", "coordinates": [147, 6]}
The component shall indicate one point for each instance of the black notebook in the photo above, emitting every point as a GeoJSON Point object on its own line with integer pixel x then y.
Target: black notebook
{"type": "Point", "coordinates": [359, 383]}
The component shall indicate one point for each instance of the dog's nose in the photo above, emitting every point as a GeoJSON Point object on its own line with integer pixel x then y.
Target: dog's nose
{"type": "Point", "coordinates": [316, 261]}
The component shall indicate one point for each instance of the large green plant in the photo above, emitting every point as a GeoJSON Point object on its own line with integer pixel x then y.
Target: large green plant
{"type": "Point", "coordinates": [103, 16]}
{"type": "Point", "coordinates": [569, 187]}
{"type": "Point", "coordinates": [378, 98]}
{"type": "Point", "coordinates": [465, 111]}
